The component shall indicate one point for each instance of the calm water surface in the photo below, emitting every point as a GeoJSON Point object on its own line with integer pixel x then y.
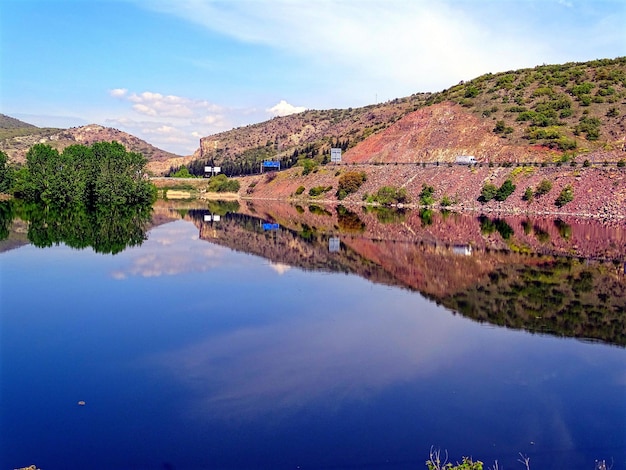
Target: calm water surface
{"type": "Point", "coordinates": [189, 355]}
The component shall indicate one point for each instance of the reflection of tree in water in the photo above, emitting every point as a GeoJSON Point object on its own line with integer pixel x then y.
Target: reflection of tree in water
{"type": "Point", "coordinates": [388, 215]}
{"type": "Point", "coordinates": [6, 218]}
{"type": "Point", "coordinates": [565, 230]}
{"type": "Point", "coordinates": [348, 221]}
{"type": "Point", "coordinates": [561, 296]}
{"type": "Point", "coordinates": [105, 229]}
{"type": "Point", "coordinates": [489, 226]}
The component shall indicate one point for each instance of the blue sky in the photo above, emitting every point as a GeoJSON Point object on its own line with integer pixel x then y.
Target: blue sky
{"type": "Point", "coordinates": [171, 71]}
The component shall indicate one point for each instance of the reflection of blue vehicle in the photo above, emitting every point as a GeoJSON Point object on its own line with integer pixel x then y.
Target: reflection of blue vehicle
{"type": "Point", "coordinates": [270, 226]}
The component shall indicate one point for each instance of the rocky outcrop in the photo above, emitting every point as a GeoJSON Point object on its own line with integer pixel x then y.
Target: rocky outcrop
{"type": "Point", "coordinates": [17, 147]}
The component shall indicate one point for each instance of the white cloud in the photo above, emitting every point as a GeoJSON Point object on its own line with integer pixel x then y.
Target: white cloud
{"type": "Point", "coordinates": [174, 123]}
{"type": "Point", "coordinates": [280, 268]}
{"type": "Point", "coordinates": [118, 92]}
{"type": "Point", "coordinates": [156, 104]}
{"type": "Point", "coordinates": [182, 257]}
{"type": "Point", "coordinates": [284, 109]}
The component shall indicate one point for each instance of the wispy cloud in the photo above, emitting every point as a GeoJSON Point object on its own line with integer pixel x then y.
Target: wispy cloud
{"type": "Point", "coordinates": [407, 45]}
{"type": "Point", "coordinates": [416, 43]}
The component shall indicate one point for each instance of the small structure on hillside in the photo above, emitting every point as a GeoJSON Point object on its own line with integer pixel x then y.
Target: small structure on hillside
{"type": "Point", "coordinates": [270, 165]}
{"type": "Point", "coordinates": [335, 155]}
{"type": "Point", "coordinates": [211, 170]}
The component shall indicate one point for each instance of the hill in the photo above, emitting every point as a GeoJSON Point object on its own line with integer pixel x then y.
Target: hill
{"type": "Point", "coordinates": [548, 112]}
{"type": "Point", "coordinates": [17, 137]}
{"type": "Point", "coordinates": [7, 122]}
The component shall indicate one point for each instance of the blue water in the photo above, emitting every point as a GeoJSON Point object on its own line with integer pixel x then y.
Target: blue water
{"type": "Point", "coordinates": [191, 356]}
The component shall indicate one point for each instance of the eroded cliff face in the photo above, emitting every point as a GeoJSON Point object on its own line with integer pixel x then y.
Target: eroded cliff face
{"type": "Point", "coordinates": [440, 133]}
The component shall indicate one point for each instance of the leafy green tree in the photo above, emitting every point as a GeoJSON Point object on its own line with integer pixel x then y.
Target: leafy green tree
{"type": "Point", "coordinates": [42, 162]}
{"type": "Point", "coordinates": [6, 173]}
{"type": "Point", "coordinates": [103, 174]}
{"type": "Point", "coordinates": [488, 192]}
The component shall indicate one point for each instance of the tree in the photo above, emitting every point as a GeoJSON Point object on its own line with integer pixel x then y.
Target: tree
{"type": "Point", "coordinates": [103, 174]}
{"type": "Point", "coordinates": [6, 173]}
{"type": "Point", "coordinates": [42, 162]}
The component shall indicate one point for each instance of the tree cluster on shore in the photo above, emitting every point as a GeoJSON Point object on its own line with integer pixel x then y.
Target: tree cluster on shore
{"type": "Point", "coordinates": [103, 174]}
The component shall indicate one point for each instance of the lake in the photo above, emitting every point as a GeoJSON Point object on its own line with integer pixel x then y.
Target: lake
{"type": "Point", "coordinates": [274, 336]}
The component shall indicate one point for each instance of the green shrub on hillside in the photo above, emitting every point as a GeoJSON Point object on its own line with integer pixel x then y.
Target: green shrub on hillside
{"type": "Point", "coordinates": [488, 192]}
{"type": "Point", "coordinates": [426, 195]}
{"type": "Point", "coordinates": [350, 182]}
{"type": "Point", "coordinates": [308, 165]}
{"type": "Point", "coordinates": [317, 190]}
{"type": "Point", "coordinates": [590, 126]}
{"type": "Point", "coordinates": [566, 195]}
{"type": "Point", "coordinates": [505, 191]}
{"type": "Point", "coordinates": [528, 195]}
{"type": "Point", "coordinates": [543, 187]}
{"type": "Point", "coordinates": [222, 184]}
{"type": "Point", "coordinates": [388, 195]}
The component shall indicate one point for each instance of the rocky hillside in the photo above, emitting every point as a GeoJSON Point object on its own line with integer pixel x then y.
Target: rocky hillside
{"type": "Point", "coordinates": [310, 133]}
{"type": "Point", "coordinates": [597, 190]}
{"type": "Point", "coordinates": [17, 137]}
{"type": "Point", "coordinates": [543, 113]}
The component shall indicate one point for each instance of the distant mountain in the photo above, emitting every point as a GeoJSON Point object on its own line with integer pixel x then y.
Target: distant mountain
{"type": "Point", "coordinates": [17, 137]}
{"type": "Point", "coordinates": [7, 122]}
{"type": "Point", "coordinates": [538, 113]}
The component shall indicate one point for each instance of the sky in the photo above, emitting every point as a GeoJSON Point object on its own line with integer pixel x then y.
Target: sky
{"type": "Point", "coordinates": [172, 71]}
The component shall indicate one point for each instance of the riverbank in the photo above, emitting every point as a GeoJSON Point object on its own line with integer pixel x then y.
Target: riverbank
{"type": "Point", "coordinates": [598, 191]}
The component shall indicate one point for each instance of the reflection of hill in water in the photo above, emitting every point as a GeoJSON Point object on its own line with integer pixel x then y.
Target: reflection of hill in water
{"type": "Point", "coordinates": [562, 277]}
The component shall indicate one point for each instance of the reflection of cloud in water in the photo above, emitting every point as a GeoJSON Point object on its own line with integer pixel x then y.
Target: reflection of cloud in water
{"type": "Point", "coordinates": [287, 365]}
{"type": "Point", "coordinates": [280, 268]}
{"type": "Point", "coordinates": [169, 251]}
